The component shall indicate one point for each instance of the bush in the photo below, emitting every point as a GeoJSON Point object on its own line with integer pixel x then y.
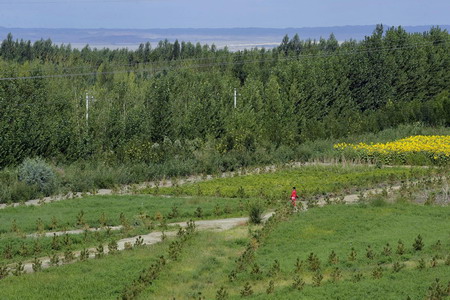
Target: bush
{"type": "Point", "coordinates": [35, 171]}
{"type": "Point", "coordinates": [20, 191]}
{"type": "Point", "coordinates": [255, 213]}
{"type": "Point", "coordinates": [378, 201]}
{"type": "Point", "coordinates": [283, 154]}
{"type": "Point", "coordinates": [12, 190]}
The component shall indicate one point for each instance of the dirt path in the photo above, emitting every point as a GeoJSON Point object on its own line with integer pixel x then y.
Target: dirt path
{"type": "Point", "coordinates": [349, 199]}
{"type": "Point", "coordinates": [354, 198]}
{"type": "Point", "coordinates": [148, 239]}
{"type": "Point", "coordinates": [219, 225]}
{"type": "Point", "coordinates": [37, 202]}
{"type": "Point", "coordinates": [75, 231]}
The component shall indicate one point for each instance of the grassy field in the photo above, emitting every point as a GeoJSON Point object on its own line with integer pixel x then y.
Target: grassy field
{"type": "Point", "coordinates": [340, 227]}
{"type": "Point", "coordinates": [406, 283]}
{"type": "Point", "coordinates": [195, 274]}
{"type": "Point", "coordinates": [309, 180]}
{"type": "Point", "coordinates": [144, 212]}
{"type": "Point", "coordinates": [141, 212]}
{"type": "Point", "coordinates": [320, 231]}
{"type": "Point", "coordinates": [131, 206]}
{"type": "Point", "coordinates": [93, 279]}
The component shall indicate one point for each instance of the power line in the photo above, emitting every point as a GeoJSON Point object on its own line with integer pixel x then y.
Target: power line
{"type": "Point", "coordinates": [136, 64]}
{"type": "Point", "coordinates": [215, 64]}
{"type": "Point", "coordinates": [187, 60]}
{"type": "Point", "coordinates": [123, 65]}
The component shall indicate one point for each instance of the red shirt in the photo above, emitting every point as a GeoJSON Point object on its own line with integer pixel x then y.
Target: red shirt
{"type": "Point", "coordinates": [294, 194]}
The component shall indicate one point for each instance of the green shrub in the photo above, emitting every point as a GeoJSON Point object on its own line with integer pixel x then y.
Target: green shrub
{"type": "Point", "coordinates": [17, 191]}
{"type": "Point", "coordinates": [418, 243]}
{"type": "Point", "coordinates": [283, 154]}
{"type": "Point", "coordinates": [298, 283]}
{"type": "Point", "coordinates": [35, 171]}
{"type": "Point", "coordinates": [221, 294]}
{"type": "Point", "coordinates": [255, 213]}
{"type": "Point", "coordinates": [247, 290]}
{"type": "Point", "coordinates": [378, 201]}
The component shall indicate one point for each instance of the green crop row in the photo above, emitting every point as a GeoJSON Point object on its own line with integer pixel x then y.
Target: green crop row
{"type": "Point", "coordinates": [309, 180]}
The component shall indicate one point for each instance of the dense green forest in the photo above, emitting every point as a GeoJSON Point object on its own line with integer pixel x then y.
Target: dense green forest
{"type": "Point", "coordinates": [175, 101]}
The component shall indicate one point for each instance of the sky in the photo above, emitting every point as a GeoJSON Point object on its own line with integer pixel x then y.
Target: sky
{"type": "Point", "coordinates": [147, 14]}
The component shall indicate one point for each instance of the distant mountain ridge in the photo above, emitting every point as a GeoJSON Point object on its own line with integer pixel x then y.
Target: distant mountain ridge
{"type": "Point", "coordinates": [234, 38]}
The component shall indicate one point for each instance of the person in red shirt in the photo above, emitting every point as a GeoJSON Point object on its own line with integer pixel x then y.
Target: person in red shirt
{"type": "Point", "coordinates": [294, 198]}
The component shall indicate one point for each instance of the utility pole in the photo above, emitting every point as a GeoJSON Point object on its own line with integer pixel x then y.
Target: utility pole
{"type": "Point", "coordinates": [235, 97]}
{"type": "Point", "coordinates": [87, 109]}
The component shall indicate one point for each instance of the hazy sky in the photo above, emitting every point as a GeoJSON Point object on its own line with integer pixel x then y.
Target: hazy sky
{"type": "Point", "coordinates": [220, 13]}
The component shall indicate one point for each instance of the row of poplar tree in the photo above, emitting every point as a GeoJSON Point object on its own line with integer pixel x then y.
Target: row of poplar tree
{"type": "Point", "coordinates": [182, 94]}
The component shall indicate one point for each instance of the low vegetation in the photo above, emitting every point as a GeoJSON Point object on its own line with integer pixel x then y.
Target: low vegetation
{"type": "Point", "coordinates": [104, 278]}
{"type": "Point", "coordinates": [336, 249]}
{"type": "Point", "coordinates": [135, 214]}
{"type": "Point", "coordinates": [89, 176]}
{"type": "Point", "coordinates": [102, 211]}
{"type": "Point", "coordinates": [309, 180]}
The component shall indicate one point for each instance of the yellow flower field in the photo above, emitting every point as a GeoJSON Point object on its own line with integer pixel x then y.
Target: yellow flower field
{"type": "Point", "coordinates": [434, 147]}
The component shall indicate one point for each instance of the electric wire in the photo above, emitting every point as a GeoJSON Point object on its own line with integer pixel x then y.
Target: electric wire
{"type": "Point", "coordinates": [158, 68]}
{"type": "Point", "coordinates": [138, 64]}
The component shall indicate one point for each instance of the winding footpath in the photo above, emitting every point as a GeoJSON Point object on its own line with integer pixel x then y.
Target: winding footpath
{"type": "Point", "coordinates": [148, 239]}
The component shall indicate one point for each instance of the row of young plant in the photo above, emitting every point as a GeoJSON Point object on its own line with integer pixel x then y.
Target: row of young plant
{"type": "Point", "coordinates": [257, 237]}
{"type": "Point", "coordinates": [21, 247]}
{"type": "Point", "coordinates": [257, 186]}
{"type": "Point", "coordinates": [429, 191]}
{"type": "Point", "coordinates": [36, 178]}
{"type": "Point", "coordinates": [433, 190]}
{"type": "Point", "coordinates": [313, 264]}
{"type": "Point", "coordinates": [68, 256]}
{"type": "Point", "coordinates": [436, 291]}
{"type": "Point", "coordinates": [247, 257]}
{"type": "Point", "coordinates": [141, 219]}
{"type": "Point", "coordinates": [150, 274]}
{"type": "Point", "coordinates": [438, 183]}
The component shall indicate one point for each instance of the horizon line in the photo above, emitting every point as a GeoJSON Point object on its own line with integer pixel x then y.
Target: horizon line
{"type": "Point", "coordinates": [199, 28]}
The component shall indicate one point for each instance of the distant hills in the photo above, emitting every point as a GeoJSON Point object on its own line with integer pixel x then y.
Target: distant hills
{"type": "Point", "coordinates": [234, 38]}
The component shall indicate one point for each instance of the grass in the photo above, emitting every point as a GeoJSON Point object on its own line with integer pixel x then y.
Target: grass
{"type": "Point", "coordinates": [72, 242]}
{"type": "Point", "coordinates": [106, 278]}
{"type": "Point", "coordinates": [319, 230]}
{"type": "Point", "coordinates": [341, 227]}
{"type": "Point", "coordinates": [410, 283]}
{"type": "Point", "coordinates": [93, 279]}
{"type": "Point", "coordinates": [132, 206]}
{"type": "Point", "coordinates": [309, 180]}
{"type": "Point", "coordinates": [195, 273]}
{"type": "Point", "coordinates": [208, 258]}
